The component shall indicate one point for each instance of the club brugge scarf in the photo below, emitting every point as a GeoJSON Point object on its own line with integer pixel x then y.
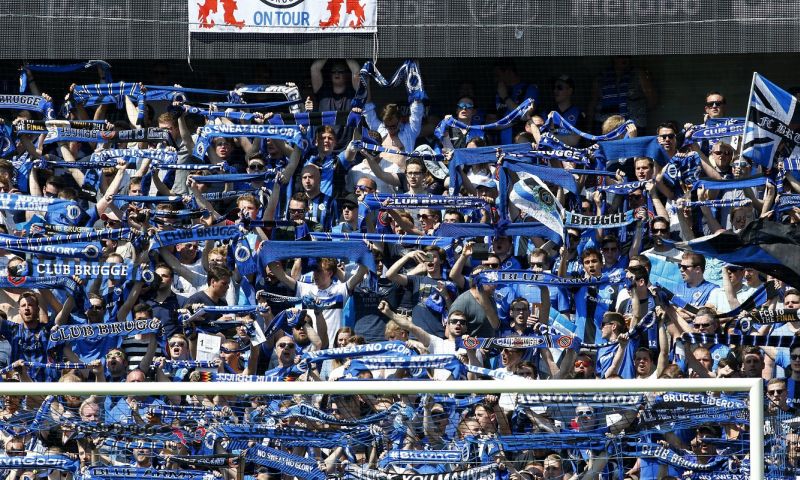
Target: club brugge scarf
{"type": "Point", "coordinates": [204, 167]}
{"type": "Point", "coordinates": [40, 462]}
{"type": "Point", "coordinates": [668, 456]}
{"type": "Point", "coordinates": [290, 91]}
{"type": "Point", "coordinates": [205, 461]}
{"type": "Point", "coordinates": [255, 105]}
{"type": "Point", "coordinates": [42, 229]}
{"type": "Point", "coordinates": [377, 149]}
{"type": "Point", "coordinates": [614, 220]}
{"type": "Point", "coordinates": [87, 270]}
{"type": "Point", "coordinates": [68, 333]}
{"type": "Point", "coordinates": [98, 135]}
{"type": "Point", "coordinates": [557, 122]}
{"type": "Point", "coordinates": [185, 214]}
{"type": "Point", "coordinates": [232, 114]}
{"type": "Point", "coordinates": [526, 277]}
{"type": "Point", "coordinates": [158, 155]}
{"type": "Point", "coordinates": [425, 457]}
{"type": "Point", "coordinates": [496, 374]}
{"type": "Point", "coordinates": [357, 252]}
{"type": "Point", "coordinates": [39, 282]}
{"type": "Point", "coordinates": [237, 177]}
{"type": "Point", "coordinates": [10, 241]}
{"type": "Point", "coordinates": [473, 156]}
{"type": "Point", "coordinates": [502, 229]}
{"type": "Point", "coordinates": [544, 155]}
{"type": "Point", "coordinates": [788, 201]}
{"type": "Point", "coordinates": [622, 188]}
{"type": "Point", "coordinates": [43, 413]}
{"type": "Point", "coordinates": [593, 399]}
{"type": "Point", "coordinates": [130, 445]}
{"type": "Point", "coordinates": [696, 400]}
{"type": "Point", "coordinates": [407, 73]}
{"type": "Point", "coordinates": [39, 127]}
{"type": "Point", "coordinates": [174, 237]}
{"type": "Point", "coordinates": [145, 473]}
{"type": "Point", "coordinates": [222, 310]}
{"type": "Point", "coordinates": [555, 441]}
{"type": "Point", "coordinates": [778, 315]}
{"type": "Point", "coordinates": [689, 417]}
{"type": "Point", "coordinates": [356, 351]}
{"type": "Point", "coordinates": [720, 203]}
{"type": "Point", "coordinates": [188, 364]}
{"type": "Point", "coordinates": [502, 123]}
{"type": "Point", "coordinates": [18, 202]}
{"type": "Point", "coordinates": [85, 250]}
{"type": "Point", "coordinates": [287, 133]}
{"type": "Point", "coordinates": [149, 199]}
{"type": "Point", "coordinates": [387, 238]}
{"type": "Point", "coordinates": [784, 341]}
{"type": "Point", "coordinates": [629, 148]}
{"type": "Point", "coordinates": [714, 128]}
{"type": "Point", "coordinates": [284, 462]}
{"type": "Point", "coordinates": [394, 201]}
{"type": "Point", "coordinates": [485, 472]}
{"type": "Point", "coordinates": [282, 375]}
{"type": "Point", "coordinates": [708, 184]}
{"type": "Point", "coordinates": [528, 341]}
{"type": "Point", "coordinates": [215, 196]}
{"type": "Point", "coordinates": [105, 93]}
{"type": "Point", "coordinates": [551, 175]}
{"type": "Point", "coordinates": [72, 67]}
{"type": "Point", "coordinates": [27, 102]}
{"type": "Point", "coordinates": [447, 362]}
{"type": "Point", "coordinates": [309, 412]}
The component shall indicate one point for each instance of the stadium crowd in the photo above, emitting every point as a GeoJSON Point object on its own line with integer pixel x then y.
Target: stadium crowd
{"type": "Point", "coordinates": [148, 236]}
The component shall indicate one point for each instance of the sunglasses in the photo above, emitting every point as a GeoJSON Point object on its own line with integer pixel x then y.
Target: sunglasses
{"type": "Point", "coordinates": [297, 211]}
{"type": "Point", "coordinates": [715, 104]}
{"type": "Point", "coordinates": [660, 230]}
{"type": "Point", "coordinates": [686, 267]}
{"type": "Point", "coordinates": [460, 321]}
{"type": "Point", "coordinates": [349, 206]}
{"type": "Point", "coordinates": [491, 265]}
{"type": "Point", "coordinates": [256, 166]}
{"type": "Point", "coordinates": [177, 344]}
{"type": "Point", "coordinates": [584, 413]}
{"type": "Point", "coordinates": [701, 325]}
{"type": "Point", "coordinates": [465, 106]}
{"type": "Point", "coordinates": [363, 188]}
{"type": "Point", "coordinates": [775, 392]}
{"type": "Point", "coordinates": [582, 364]}
{"type": "Point", "coordinates": [667, 136]}
{"type": "Point", "coordinates": [97, 308]}
{"type": "Point", "coordinates": [287, 346]}
{"type": "Point", "coordinates": [114, 354]}
{"type": "Point", "coordinates": [794, 357]}
{"type": "Point", "coordinates": [740, 164]}
{"type": "Point", "coordinates": [725, 153]}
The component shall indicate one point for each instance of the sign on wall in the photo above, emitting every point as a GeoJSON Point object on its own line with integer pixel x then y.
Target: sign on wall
{"type": "Point", "coordinates": [283, 16]}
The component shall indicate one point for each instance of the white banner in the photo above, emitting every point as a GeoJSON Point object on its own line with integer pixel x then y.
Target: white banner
{"type": "Point", "coordinates": [283, 16]}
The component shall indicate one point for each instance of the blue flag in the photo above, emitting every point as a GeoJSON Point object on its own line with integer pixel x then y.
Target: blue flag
{"type": "Point", "coordinates": [772, 124]}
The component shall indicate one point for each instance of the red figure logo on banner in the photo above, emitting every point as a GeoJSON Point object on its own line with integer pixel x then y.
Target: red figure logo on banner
{"type": "Point", "coordinates": [210, 6]}
{"type": "Point", "coordinates": [351, 6]}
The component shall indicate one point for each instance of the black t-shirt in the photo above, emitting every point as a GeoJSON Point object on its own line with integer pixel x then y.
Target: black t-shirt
{"type": "Point", "coordinates": [369, 322]}
{"type": "Point", "coordinates": [202, 297]}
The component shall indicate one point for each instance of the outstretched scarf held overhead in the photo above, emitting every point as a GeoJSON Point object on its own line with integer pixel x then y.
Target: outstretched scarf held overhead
{"type": "Point", "coordinates": [357, 252]}
{"type": "Point", "coordinates": [72, 67]}
{"type": "Point", "coordinates": [407, 73]}
{"type": "Point", "coordinates": [500, 124]}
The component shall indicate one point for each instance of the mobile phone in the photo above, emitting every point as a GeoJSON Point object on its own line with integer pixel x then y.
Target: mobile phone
{"type": "Point", "coordinates": [480, 251]}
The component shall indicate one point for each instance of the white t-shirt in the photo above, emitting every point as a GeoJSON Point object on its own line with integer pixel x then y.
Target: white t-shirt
{"type": "Point", "coordinates": [333, 317]}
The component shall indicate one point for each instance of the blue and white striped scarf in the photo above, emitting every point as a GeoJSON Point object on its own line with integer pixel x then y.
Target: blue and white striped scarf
{"type": "Point", "coordinates": [387, 238]}
{"type": "Point", "coordinates": [408, 73]}
{"type": "Point", "coordinates": [395, 201]}
{"type": "Point", "coordinates": [502, 123]}
{"type": "Point", "coordinates": [613, 220]}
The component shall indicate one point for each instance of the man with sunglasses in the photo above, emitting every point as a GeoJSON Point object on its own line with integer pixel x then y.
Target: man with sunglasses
{"type": "Point", "coordinates": [348, 218]}
{"type": "Point", "coordinates": [455, 137]}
